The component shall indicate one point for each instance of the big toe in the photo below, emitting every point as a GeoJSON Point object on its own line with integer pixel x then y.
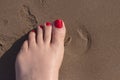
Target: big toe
{"type": "Point", "coordinates": [58, 32]}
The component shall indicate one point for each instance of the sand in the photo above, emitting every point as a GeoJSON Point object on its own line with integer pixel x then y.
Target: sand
{"type": "Point", "coordinates": [92, 44]}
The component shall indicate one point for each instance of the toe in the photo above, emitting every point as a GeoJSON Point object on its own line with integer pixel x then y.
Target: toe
{"type": "Point", "coordinates": [47, 33]}
{"type": "Point", "coordinates": [39, 34]}
{"type": "Point", "coordinates": [32, 39]}
{"type": "Point", "coordinates": [58, 32]}
{"type": "Point", "coordinates": [25, 45]}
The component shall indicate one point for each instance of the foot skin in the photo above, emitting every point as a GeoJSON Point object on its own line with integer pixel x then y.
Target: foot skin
{"type": "Point", "coordinates": [41, 55]}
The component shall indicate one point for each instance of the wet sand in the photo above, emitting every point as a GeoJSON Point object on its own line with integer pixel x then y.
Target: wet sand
{"type": "Point", "coordinates": [92, 44]}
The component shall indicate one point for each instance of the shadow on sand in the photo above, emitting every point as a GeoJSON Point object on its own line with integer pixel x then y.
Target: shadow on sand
{"type": "Point", "coordinates": [7, 61]}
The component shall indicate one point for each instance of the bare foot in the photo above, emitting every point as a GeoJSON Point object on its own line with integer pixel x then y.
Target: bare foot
{"type": "Point", "coordinates": [41, 55]}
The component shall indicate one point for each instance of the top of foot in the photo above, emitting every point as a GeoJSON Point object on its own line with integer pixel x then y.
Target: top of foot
{"type": "Point", "coordinates": [41, 55]}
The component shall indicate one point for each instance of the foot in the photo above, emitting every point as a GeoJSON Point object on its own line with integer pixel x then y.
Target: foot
{"type": "Point", "coordinates": [41, 55]}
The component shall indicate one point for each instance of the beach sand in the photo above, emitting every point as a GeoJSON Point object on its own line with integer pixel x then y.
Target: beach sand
{"type": "Point", "coordinates": [92, 44]}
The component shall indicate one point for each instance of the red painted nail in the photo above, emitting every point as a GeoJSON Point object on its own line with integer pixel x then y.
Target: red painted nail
{"type": "Point", "coordinates": [41, 26]}
{"type": "Point", "coordinates": [33, 30]}
{"type": "Point", "coordinates": [58, 23]}
{"type": "Point", "coordinates": [48, 23]}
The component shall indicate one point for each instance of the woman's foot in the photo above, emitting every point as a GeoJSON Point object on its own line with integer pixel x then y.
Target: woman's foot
{"type": "Point", "coordinates": [41, 55]}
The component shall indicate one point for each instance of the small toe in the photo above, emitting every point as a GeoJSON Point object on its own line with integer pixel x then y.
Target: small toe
{"type": "Point", "coordinates": [40, 34]}
{"type": "Point", "coordinates": [58, 32]}
{"type": "Point", "coordinates": [47, 33]}
{"type": "Point", "coordinates": [32, 39]}
{"type": "Point", "coordinates": [25, 45]}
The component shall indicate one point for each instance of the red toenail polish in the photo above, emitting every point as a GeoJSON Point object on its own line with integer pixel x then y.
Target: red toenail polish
{"type": "Point", "coordinates": [33, 30]}
{"type": "Point", "coordinates": [48, 23]}
{"type": "Point", "coordinates": [58, 23]}
{"type": "Point", "coordinates": [41, 26]}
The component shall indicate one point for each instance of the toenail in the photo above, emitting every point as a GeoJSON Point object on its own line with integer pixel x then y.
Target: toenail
{"type": "Point", "coordinates": [58, 23]}
{"type": "Point", "coordinates": [48, 24]}
{"type": "Point", "coordinates": [33, 30]}
{"type": "Point", "coordinates": [41, 26]}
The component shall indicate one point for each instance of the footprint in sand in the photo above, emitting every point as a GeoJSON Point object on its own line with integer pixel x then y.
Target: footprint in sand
{"type": "Point", "coordinates": [67, 41]}
{"type": "Point", "coordinates": [83, 40]}
{"type": "Point", "coordinates": [27, 17]}
{"type": "Point", "coordinates": [85, 36]}
{"type": "Point", "coordinates": [78, 43]}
